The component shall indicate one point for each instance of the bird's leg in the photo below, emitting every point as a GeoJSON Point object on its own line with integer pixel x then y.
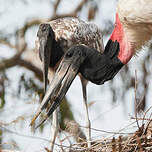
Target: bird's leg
{"type": "Point", "coordinates": [54, 129]}
{"type": "Point", "coordinates": [54, 125]}
{"type": "Point", "coordinates": [87, 121]}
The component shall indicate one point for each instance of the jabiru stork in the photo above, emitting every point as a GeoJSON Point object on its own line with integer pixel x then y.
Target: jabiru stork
{"type": "Point", "coordinates": [53, 40]}
{"type": "Point", "coordinates": [132, 30]}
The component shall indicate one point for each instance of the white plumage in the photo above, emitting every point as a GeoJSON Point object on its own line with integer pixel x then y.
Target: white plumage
{"type": "Point", "coordinates": [136, 17]}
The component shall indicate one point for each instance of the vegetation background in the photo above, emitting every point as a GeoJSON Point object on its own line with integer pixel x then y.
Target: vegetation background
{"type": "Point", "coordinates": [21, 87]}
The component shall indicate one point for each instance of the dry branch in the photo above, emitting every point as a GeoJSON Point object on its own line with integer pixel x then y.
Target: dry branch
{"type": "Point", "coordinates": [35, 22]}
{"type": "Point", "coordinates": [16, 60]}
{"type": "Point", "coordinates": [8, 63]}
{"type": "Point", "coordinates": [31, 67]}
{"type": "Point", "coordinates": [7, 43]}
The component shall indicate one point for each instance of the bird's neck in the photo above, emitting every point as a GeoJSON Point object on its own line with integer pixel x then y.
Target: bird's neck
{"type": "Point", "coordinates": [126, 50]}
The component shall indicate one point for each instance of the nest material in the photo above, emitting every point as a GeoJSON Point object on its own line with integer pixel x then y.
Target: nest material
{"type": "Point", "coordinates": [140, 141]}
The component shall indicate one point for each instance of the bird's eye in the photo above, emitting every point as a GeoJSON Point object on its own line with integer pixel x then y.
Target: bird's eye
{"type": "Point", "coordinates": [69, 54]}
{"type": "Point", "coordinates": [44, 28]}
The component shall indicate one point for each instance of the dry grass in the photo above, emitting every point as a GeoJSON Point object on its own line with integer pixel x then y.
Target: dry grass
{"type": "Point", "coordinates": [139, 141]}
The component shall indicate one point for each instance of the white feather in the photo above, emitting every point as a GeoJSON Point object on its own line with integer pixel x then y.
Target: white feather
{"type": "Point", "coordinates": [136, 17]}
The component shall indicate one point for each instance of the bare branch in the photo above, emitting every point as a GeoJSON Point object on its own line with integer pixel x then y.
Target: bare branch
{"type": "Point", "coordinates": [55, 16]}
{"type": "Point", "coordinates": [56, 6]}
{"type": "Point", "coordinates": [8, 63]}
{"type": "Point", "coordinates": [135, 90]}
{"type": "Point", "coordinates": [79, 7]}
{"type": "Point", "coordinates": [31, 67]}
{"type": "Point", "coordinates": [16, 60]}
{"type": "Point", "coordinates": [7, 43]}
{"type": "Point", "coordinates": [29, 24]}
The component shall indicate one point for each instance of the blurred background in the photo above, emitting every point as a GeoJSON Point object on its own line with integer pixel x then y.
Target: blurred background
{"type": "Point", "coordinates": [111, 106]}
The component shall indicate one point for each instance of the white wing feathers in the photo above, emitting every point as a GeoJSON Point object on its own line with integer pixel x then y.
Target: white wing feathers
{"type": "Point", "coordinates": [135, 11]}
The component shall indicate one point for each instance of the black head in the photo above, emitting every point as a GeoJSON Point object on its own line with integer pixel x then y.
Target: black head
{"type": "Point", "coordinates": [99, 68]}
{"type": "Point", "coordinates": [44, 31]}
{"type": "Point", "coordinates": [76, 55]}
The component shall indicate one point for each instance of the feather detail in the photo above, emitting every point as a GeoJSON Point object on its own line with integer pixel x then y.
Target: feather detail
{"type": "Point", "coordinates": [72, 31]}
{"type": "Point", "coordinates": [136, 18]}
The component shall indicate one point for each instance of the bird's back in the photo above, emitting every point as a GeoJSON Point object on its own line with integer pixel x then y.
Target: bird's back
{"type": "Point", "coordinates": [72, 31]}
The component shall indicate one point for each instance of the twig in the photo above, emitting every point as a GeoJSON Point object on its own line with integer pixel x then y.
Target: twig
{"type": "Point", "coordinates": [7, 43]}
{"type": "Point", "coordinates": [141, 118]}
{"type": "Point", "coordinates": [28, 136]}
{"type": "Point", "coordinates": [109, 132]}
{"type": "Point", "coordinates": [62, 150]}
{"type": "Point", "coordinates": [79, 7]}
{"type": "Point", "coordinates": [56, 6]}
{"type": "Point", "coordinates": [34, 22]}
{"type": "Point", "coordinates": [16, 60]}
{"type": "Point", "coordinates": [146, 113]}
{"type": "Point", "coordinates": [148, 125]}
{"type": "Point", "coordinates": [31, 67]}
{"type": "Point", "coordinates": [7, 63]}
{"type": "Point", "coordinates": [136, 99]}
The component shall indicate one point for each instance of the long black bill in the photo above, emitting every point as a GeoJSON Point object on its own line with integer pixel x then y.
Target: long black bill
{"type": "Point", "coordinates": [45, 54]}
{"type": "Point", "coordinates": [65, 74]}
{"type": "Point", "coordinates": [45, 36]}
{"type": "Point", "coordinates": [60, 84]}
